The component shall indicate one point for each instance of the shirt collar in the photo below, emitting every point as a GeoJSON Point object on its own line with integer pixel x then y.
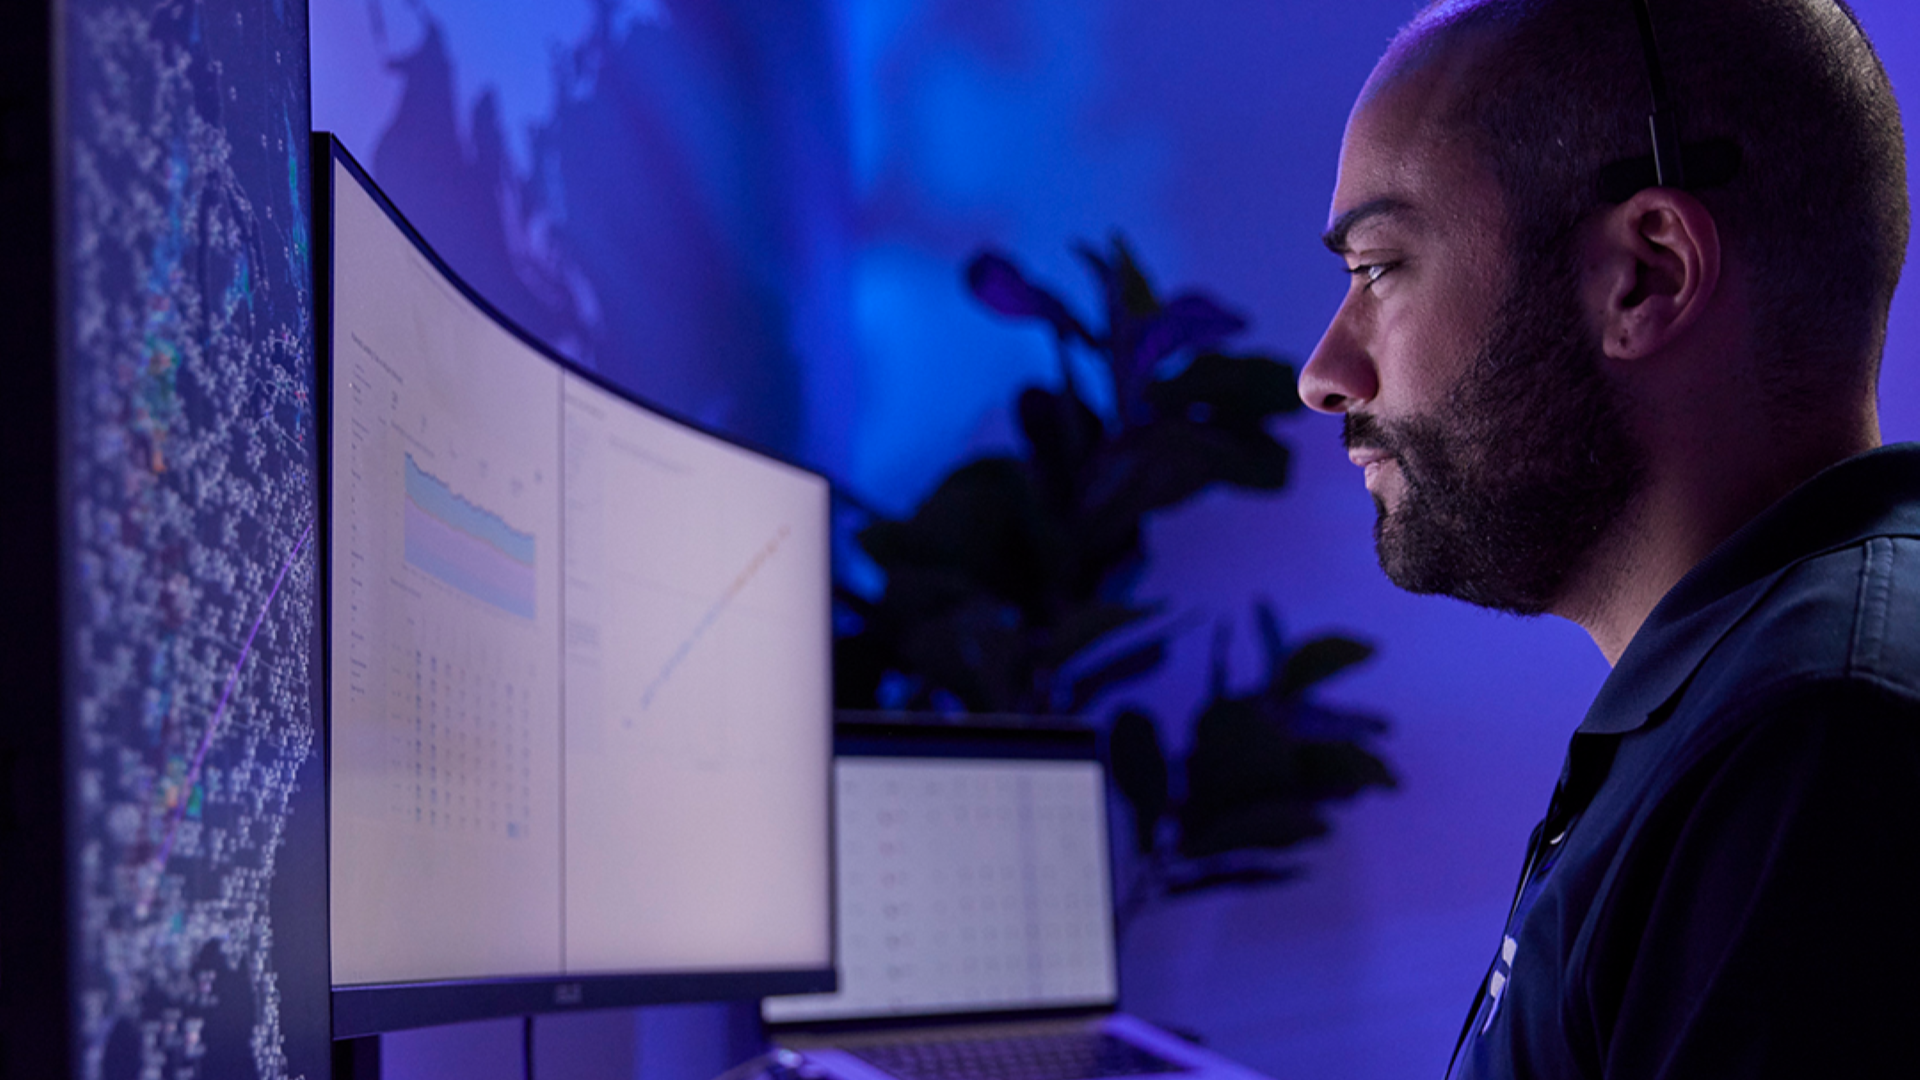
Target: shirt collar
{"type": "Point", "coordinates": [1874, 494]}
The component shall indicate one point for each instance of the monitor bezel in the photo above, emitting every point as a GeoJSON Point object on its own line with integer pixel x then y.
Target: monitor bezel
{"type": "Point", "coordinates": [369, 1009]}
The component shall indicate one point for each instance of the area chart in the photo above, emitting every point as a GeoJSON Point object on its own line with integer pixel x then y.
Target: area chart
{"type": "Point", "coordinates": [466, 546]}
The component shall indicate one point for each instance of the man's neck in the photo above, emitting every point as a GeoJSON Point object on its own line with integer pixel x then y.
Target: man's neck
{"type": "Point", "coordinates": [1677, 522]}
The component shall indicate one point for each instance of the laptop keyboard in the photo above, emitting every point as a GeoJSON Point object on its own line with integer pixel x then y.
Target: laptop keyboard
{"type": "Point", "coordinates": [1067, 1055]}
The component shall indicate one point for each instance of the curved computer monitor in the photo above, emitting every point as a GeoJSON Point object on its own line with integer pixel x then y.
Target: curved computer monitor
{"type": "Point", "coordinates": [580, 732]}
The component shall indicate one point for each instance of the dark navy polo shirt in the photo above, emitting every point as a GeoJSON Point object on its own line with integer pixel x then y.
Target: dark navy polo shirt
{"type": "Point", "coordinates": [1724, 884]}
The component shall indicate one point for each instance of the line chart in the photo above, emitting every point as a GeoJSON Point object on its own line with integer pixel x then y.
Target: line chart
{"type": "Point", "coordinates": [712, 615]}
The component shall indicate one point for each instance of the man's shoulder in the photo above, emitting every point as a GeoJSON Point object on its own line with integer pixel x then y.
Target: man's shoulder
{"type": "Point", "coordinates": [1846, 616]}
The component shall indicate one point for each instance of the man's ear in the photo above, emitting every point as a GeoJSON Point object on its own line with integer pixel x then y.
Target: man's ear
{"type": "Point", "coordinates": [1654, 269]}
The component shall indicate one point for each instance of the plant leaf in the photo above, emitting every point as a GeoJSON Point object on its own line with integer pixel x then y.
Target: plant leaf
{"type": "Point", "coordinates": [1314, 722]}
{"type": "Point", "coordinates": [1130, 302]}
{"type": "Point", "coordinates": [996, 282]}
{"type": "Point", "coordinates": [1191, 320]}
{"type": "Point", "coordinates": [1082, 627]}
{"type": "Point", "coordinates": [1341, 770]}
{"type": "Point", "coordinates": [859, 665]}
{"type": "Point", "coordinates": [1237, 758]}
{"type": "Point", "coordinates": [1273, 645]}
{"type": "Point", "coordinates": [1136, 292]}
{"type": "Point", "coordinates": [1233, 390]}
{"type": "Point", "coordinates": [857, 603]}
{"type": "Point", "coordinates": [1139, 771]}
{"type": "Point", "coordinates": [1217, 678]}
{"type": "Point", "coordinates": [1317, 660]}
{"type": "Point", "coordinates": [972, 651]}
{"type": "Point", "coordinates": [1128, 294]}
{"type": "Point", "coordinates": [1161, 465]}
{"type": "Point", "coordinates": [985, 523]}
{"type": "Point", "coordinates": [1131, 664]}
{"type": "Point", "coordinates": [1113, 306]}
{"type": "Point", "coordinates": [1063, 434]}
{"type": "Point", "coordinates": [1239, 868]}
{"type": "Point", "coordinates": [1274, 824]}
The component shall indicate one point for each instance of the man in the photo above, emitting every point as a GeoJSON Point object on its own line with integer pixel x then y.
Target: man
{"type": "Point", "coordinates": [1643, 398]}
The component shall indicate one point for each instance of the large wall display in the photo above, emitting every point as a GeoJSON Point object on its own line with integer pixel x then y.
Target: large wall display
{"type": "Point", "coordinates": [196, 847]}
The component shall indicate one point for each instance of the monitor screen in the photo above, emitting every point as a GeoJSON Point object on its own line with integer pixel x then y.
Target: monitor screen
{"type": "Point", "coordinates": [972, 876]}
{"type": "Point", "coordinates": [579, 692]}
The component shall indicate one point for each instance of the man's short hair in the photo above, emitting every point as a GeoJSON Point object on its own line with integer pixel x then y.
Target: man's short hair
{"type": "Point", "coordinates": [1817, 211]}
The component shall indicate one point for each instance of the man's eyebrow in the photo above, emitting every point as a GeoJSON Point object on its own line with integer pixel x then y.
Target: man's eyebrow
{"type": "Point", "coordinates": [1386, 205]}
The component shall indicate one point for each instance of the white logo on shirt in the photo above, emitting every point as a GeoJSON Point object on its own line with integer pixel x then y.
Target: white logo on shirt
{"type": "Point", "coordinates": [1497, 982]}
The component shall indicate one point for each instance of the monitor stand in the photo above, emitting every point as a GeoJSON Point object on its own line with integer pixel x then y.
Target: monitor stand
{"type": "Point", "coordinates": [357, 1058]}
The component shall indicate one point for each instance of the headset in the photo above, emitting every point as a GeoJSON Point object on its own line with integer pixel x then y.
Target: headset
{"type": "Point", "coordinates": [1686, 167]}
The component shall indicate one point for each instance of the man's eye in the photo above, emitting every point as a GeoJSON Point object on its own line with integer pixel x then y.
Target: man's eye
{"type": "Point", "coordinates": [1370, 273]}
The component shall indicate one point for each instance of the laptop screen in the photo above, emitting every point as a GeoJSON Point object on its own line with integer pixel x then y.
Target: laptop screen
{"type": "Point", "coordinates": [967, 884]}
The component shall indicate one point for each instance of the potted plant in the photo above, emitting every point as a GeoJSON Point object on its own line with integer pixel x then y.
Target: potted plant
{"type": "Point", "coordinates": [1006, 587]}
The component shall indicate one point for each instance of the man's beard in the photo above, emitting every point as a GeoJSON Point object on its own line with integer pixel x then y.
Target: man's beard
{"type": "Point", "coordinates": [1513, 481]}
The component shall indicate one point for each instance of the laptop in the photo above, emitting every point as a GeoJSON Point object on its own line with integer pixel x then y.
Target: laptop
{"type": "Point", "coordinates": [974, 907]}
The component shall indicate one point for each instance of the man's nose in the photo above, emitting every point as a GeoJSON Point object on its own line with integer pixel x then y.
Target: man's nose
{"type": "Point", "coordinates": [1340, 374]}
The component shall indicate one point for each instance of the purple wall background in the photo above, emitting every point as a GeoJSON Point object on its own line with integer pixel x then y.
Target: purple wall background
{"type": "Point", "coordinates": [755, 212]}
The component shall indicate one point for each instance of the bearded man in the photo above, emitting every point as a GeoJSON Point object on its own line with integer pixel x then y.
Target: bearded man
{"type": "Point", "coordinates": [1627, 376]}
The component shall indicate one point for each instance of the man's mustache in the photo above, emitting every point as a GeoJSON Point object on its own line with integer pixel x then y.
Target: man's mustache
{"type": "Point", "coordinates": [1364, 431]}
